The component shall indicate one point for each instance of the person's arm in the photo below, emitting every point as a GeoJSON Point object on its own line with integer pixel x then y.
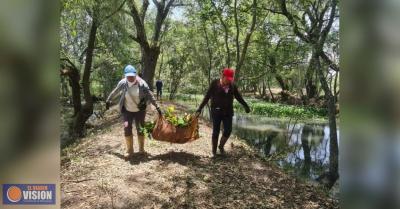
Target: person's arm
{"type": "Point", "coordinates": [240, 99]}
{"type": "Point", "coordinates": [150, 96]}
{"type": "Point", "coordinates": [115, 91]}
{"type": "Point", "coordinates": [206, 98]}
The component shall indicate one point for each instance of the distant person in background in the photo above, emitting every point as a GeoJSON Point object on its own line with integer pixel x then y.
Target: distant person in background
{"type": "Point", "coordinates": [221, 92]}
{"type": "Point", "coordinates": [132, 104]}
{"type": "Point", "coordinates": [159, 85]}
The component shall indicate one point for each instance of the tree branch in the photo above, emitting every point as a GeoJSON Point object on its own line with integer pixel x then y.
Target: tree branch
{"type": "Point", "coordinates": [162, 12]}
{"type": "Point", "coordinates": [292, 21]}
{"type": "Point", "coordinates": [134, 38]}
{"type": "Point", "coordinates": [140, 29]}
{"type": "Point", "coordinates": [69, 62]}
{"type": "Point", "coordinates": [226, 31]}
{"type": "Point", "coordinates": [273, 11]}
{"type": "Point", "coordinates": [168, 6]}
{"type": "Point", "coordinates": [145, 5]}
{"type": "Point", "coordinates": [327, 28]}
{"type": "Point", "coordinates": [330, 63]}
{"type": "Point", "coordinates": [114, 12]}
{"type": "Point", "coordinates": [237, 32]}
{"type": "Point", "coordinates": [157, 3]}
{"type": "Point", "coordinates": [248, 36]}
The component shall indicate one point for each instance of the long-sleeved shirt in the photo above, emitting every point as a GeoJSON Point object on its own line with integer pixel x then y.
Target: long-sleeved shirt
{"type": "Point", "coordinates": [132, 98]}
{"type": "Point", "coordinates": [122, 88]}
{"type": "Point", "coordinates": [222, 100]}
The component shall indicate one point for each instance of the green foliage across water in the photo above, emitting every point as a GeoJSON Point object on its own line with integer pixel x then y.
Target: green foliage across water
{"type": "Point", "coordinates": [263, 108]}
{"type": "Point", "coordinates": [282, 110]}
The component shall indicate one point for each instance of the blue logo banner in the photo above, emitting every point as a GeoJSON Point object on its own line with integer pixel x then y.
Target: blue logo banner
{"type": "Point", "coordinates": [29, 194]}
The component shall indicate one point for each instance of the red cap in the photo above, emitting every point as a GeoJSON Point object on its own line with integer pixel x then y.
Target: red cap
{"type": "Point", "coordinates": [229, 74]}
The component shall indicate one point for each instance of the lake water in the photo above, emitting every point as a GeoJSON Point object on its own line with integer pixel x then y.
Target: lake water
{"type": "Point", "coordinates": [299, 147]}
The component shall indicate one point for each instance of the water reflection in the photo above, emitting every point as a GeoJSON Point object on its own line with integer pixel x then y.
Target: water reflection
{"type": "Point", "coordinates": [299, 147]}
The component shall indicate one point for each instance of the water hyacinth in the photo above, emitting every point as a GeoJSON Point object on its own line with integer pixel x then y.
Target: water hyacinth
{"type": "Point", "coordinates": [171, 117]}
{"type": "Point", "coordinates": [176, 120]}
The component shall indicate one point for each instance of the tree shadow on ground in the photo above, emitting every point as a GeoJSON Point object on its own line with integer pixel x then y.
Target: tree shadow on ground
{"type": "Point", "coordinates": [236, 180]}
{"type": "Point", "coordinates": [182, 158]}
{"type": "Point", "coordinates": [123, 202]}
{"type": "Point", "coordinates": [136, 158]}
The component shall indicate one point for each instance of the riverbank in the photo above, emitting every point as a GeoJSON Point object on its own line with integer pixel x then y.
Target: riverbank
{"type": "Point", "coordinates": [95, 175]}
{"type": "Point", "coordinates": [263, 108]}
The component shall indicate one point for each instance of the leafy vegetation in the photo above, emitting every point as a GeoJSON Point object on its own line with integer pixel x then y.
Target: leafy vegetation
{"type": "Point", "coordinates": [176, 120]}
{"type": "Point", "coordinates": [147, 128]}
{"type": "Point", "coordinates": [172, 117]}
{"type": "Point", "coordinates": [282, 110]}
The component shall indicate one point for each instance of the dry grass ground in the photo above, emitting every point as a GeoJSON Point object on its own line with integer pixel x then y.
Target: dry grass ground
{"type": "Point", "coordinates": [94, 174]}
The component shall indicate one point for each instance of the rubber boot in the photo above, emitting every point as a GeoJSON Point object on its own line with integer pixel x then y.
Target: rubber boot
{"type": "Point", "coordinates": [141, 144]}
{"type": "Point", "coordinates": [214, 146]}
{"type": "Point", "coordinates": [222, 144]}
{"type": "Point", "coordinates": [129, 146]}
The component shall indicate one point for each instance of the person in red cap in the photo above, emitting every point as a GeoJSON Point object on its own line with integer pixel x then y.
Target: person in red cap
{"type": "Point", "coordinates": [221, 92]}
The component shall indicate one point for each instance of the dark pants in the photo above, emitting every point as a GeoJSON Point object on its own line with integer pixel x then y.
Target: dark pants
{"type": "Point", "coordinates": [217, 118]}
{"type": "Point", "coordinates": [159, 93]}
{"type": "Point", "coordinates": [128, 118]}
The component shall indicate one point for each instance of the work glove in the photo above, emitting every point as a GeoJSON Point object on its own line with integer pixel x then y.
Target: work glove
{"type": "Point", "coordinates": [108, 104]}
{"type": "Point", "coordinates": [159, 111]}
{"type": "Point", "coordinates": [247, 109]}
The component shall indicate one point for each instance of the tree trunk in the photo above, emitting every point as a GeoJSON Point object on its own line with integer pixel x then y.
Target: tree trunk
{"type": "Point", "coordinates": [263, 92]}
{"type": "Point", "coordinates": [281, 82]}
{"type": "Point", "coordinates": [149, 59]}
{"type": "Point", "coordinates": [161, 65]}
{"type": "Point", "coordinates": [226, 35]}
{"type": "Point", "coordinates": [228, 52]}
{"type": "Point", "coordinates": [333, 143]}
{"type": "Point", "coordinates": [64, 88]}
{"type": "Point", "coordinates": [246, 42]}
{"type": "Point", "coordinates": [335, 87]}
{"type": "Point", "coordinates": [177, 65]}
{"type": "Point", "coordinates": [73, 79]}
{"type": "Point", "coordinates": [270, 91]}
{"type": "Point", "coordinates": [76, 89]}
{"type": "Point", "coordinates": [310, 86]}
{"type": "Point", "coordinates": [150, 49]}
{"type": "Point", "coordinates": [87, 109]}
{"type": "Point", "coordinates": [210, 55]}
{"type": "Point", "coordinates": [237, 34]}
